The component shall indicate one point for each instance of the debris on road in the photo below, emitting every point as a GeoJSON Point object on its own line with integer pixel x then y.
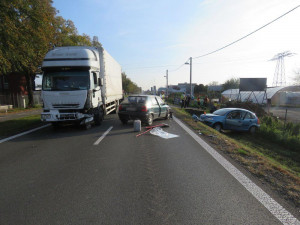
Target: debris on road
{"type": "Point", "coordinates": [151, 127]}
{"type": "Point", "coordinates": [137, 125]}
{"type": "Point", "coordinates": [159, 132]}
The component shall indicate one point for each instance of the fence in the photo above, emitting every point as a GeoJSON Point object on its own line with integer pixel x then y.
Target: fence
{"type": "Point", "coordinates": [20, 101]}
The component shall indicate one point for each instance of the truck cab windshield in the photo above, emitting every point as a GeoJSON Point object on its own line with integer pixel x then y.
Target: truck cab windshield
{"type": "Point", "coordinates": [66, 80]}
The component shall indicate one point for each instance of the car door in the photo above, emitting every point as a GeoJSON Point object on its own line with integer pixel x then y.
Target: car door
{"type": "Point", "coordinates": [248, 120]}
{"type": "Point", "coordinates": [233, 120]}
{"type": "Point", "coordinates": [162, 107]}
{"type": "Point", "coordinates": [155, 107]}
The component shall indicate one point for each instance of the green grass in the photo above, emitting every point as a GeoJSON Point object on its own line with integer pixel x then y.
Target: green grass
{"type": "Point", "coordinates": [16, 110]}
{"type": "Point", "coordinates": [15, 126]}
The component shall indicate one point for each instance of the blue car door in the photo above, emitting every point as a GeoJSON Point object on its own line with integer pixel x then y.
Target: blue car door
{"type": "Point", "coordinates": [248, 120]}
{"type": "Point", "coordinates": [233, 120]}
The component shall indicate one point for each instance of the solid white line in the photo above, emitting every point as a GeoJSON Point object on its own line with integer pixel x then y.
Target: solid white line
{"type": "Point", "coordinates": [275, 208]}
{"type": "Point", "coordinates": [21, 134]}
{"type": "Point", "coordinates": [103, 136]}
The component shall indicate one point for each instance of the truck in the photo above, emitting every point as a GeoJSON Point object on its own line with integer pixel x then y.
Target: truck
{"type": "Point", "coordinates": [80, 85]}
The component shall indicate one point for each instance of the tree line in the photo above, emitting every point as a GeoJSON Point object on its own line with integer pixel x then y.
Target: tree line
{"type": "Point", "coordinates": [28, 30]}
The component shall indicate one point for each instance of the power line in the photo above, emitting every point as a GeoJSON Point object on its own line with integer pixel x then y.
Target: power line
{"type": "Point", "coordinates": [247, 34]}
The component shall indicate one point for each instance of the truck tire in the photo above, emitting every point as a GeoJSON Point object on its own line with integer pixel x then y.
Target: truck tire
{"type": "Point", "coordinates": [98, 117]}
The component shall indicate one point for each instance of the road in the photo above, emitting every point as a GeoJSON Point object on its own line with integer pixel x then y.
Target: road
{"type": "Point", "coordinates": [60, 177]}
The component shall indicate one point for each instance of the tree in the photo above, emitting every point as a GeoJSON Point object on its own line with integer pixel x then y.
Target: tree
{"type": "Point", "coordinates": [66, 34]}
{"type": "Point", "coordinates": [232, 83]}
{"type": "Point", "coordinates": [200, 89]}
{"type": "Point", "coordinates": [128, 85]}
{"type": "Point", "coordinates": [26, 29]}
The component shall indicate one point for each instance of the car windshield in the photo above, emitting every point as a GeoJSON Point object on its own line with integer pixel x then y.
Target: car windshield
{"type": "Point", "coordinates": [136, 99]}
{"type": "Point", "coordinates": [220, 112]}
{"type": "Point", "coordinates": [66, 80]}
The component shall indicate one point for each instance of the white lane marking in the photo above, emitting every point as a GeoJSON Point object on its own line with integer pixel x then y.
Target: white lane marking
{"type": "Point", "coordinates": [103, 136]}
{"type": "Point", "coordinates": [21, 134]}
{"type": "Point", "coordinates": [275, 208]}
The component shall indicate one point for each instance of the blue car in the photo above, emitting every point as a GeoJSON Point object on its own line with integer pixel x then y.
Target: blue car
{"type": "Point", "coordinates": [232, 119]}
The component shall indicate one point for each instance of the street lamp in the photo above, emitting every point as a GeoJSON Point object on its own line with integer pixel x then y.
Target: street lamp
{"type": "Point", "coordinates": [167, 83]}
{"type": "Point", "coordinates": [190, 63]}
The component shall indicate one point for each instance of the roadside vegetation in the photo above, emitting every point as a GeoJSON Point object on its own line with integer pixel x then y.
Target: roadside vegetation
{"type": "Point", "coordinates": [15, 126]}
{"type": "Point", "coordinates": [272, 154]}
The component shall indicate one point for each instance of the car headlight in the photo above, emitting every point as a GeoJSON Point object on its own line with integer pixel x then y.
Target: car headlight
{"type": "Point", "coordinates": [46, 116]}
{"type": "Point", "coordinates": [209, 119]}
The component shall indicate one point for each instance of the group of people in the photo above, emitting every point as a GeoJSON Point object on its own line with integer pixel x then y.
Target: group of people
{"type": "Point", "coordinates": [185, 100]}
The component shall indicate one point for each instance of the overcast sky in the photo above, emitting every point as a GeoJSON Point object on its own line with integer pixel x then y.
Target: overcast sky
{"type": "Point", "coordinates": [149, 37]}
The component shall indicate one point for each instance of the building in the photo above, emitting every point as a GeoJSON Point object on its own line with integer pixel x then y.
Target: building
{"type": "Point", "coordinates": [289, 95]}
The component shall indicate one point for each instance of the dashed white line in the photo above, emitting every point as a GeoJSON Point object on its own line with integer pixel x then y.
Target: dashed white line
{"type": "Point", "coordinates": [21, 134]}
{"type": "Point", "coordinates": [275, 208]}
{"type": "Point", "coordinates": [103, 136]}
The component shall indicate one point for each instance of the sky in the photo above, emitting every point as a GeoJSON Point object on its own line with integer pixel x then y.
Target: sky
{"type": "Point", "coordinates": [149, 37]}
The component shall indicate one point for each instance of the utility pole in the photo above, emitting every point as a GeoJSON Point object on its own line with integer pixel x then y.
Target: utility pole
{"type": "Point", "coordinates": [191, 74]}
{"type": "Point", "coordinates": [167, 92]}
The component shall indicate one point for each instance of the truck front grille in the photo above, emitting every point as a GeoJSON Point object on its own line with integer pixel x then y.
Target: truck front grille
{"type": "Point", "coordinates": [61, 106]}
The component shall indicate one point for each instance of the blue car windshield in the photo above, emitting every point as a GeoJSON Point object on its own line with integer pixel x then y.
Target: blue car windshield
{"type": "Point", "coordinates": [220, 112]}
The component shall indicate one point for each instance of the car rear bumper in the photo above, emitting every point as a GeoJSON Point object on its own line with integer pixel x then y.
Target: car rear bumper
{"type": "Point", "coordinates": [143, 116]}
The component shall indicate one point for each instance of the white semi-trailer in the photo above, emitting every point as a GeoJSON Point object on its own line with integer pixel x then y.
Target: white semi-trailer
{"type": "Point", "coordinates": [80, 85]}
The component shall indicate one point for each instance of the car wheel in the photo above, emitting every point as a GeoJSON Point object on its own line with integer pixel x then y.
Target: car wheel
{"type": "Point", "coordinates": [150, 120]}
{"type": "Point", "coordinates": [252, 130]}
{"type": "Point", "coordinates": [98, 117]}
{"type": "Point", "coordinates": [217, 127]}
{"type": "Point", "coordinates": [124, 121]}
{"type": "Point", "coordinates": [167, 115]}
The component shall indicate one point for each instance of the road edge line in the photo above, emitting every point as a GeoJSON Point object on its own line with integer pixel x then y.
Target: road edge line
{"type": "Point", "coordinates": [103, 136]}
{"type": "Point", "coordinates": [274, 207]}
{"type": "Point", "coordinates": [23, 133]}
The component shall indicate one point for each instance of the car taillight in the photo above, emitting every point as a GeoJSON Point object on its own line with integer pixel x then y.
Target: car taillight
{"type": "Point", "coordinates": [120, 107]}
{"type": "Point", "coordinates": [258, 122]}
{"type": "Point", "coordinates": [144, 108]}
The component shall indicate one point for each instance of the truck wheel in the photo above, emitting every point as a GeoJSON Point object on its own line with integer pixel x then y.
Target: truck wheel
{"type": "Point", "coordinates": [98, 117]}
{"type": "Point", "coordinates": [150, 120]}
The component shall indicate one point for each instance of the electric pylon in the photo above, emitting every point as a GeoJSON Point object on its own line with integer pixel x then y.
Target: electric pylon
{"type": "Point", "coordinates": [279, 75]}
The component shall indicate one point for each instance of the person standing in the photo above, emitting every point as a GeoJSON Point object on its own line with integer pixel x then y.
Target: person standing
{"type": "Point", "coordinates": [188, 99]}
{"type": "Point", "coordinates": [198, 101]}
{"type": "Point", "coordinates": [183, 100]}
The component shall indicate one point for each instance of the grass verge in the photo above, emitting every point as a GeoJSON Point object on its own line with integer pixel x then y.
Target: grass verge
{"type": "Point", "coordinates": [277, 171]}
{"type": "Point", "coordinates": [11, 127]}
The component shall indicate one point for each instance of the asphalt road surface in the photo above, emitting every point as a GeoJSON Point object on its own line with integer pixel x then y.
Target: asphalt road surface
{"type": "Point", "coordinates": [63, 177]}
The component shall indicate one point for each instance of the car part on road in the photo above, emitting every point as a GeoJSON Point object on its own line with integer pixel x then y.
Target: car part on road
{"type": "Point", "coordinates": [137, 125]}
{"type": "Point", "coordinates": [151, 127]}
{"type": "Point", "coordinates": [163, 134]}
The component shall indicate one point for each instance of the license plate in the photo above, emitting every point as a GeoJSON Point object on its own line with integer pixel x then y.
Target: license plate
{"type": "Point", "coordinates": [131, 109]}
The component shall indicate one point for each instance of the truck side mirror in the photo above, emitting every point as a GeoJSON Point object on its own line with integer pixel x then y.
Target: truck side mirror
{"type": "Point", "coordinates": [100, 81]}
